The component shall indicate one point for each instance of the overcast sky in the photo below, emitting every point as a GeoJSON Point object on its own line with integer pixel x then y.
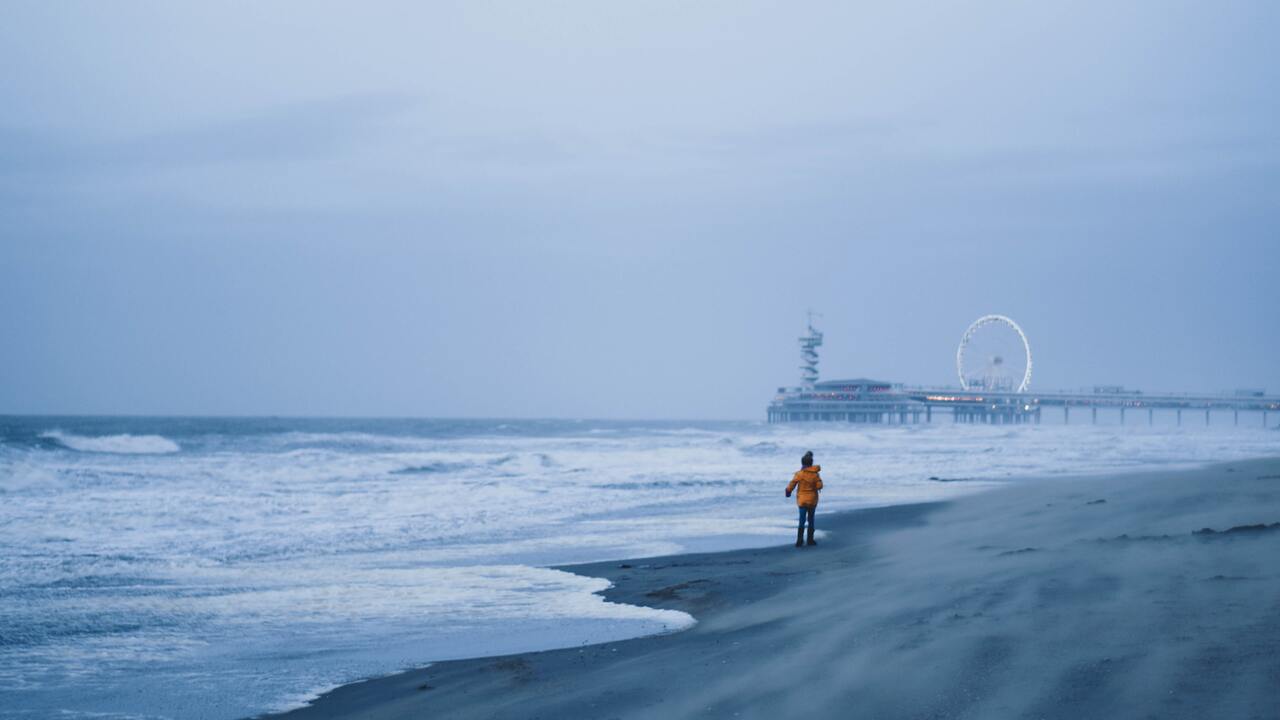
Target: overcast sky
{"type": "Point", "coordinates": [606, 209]}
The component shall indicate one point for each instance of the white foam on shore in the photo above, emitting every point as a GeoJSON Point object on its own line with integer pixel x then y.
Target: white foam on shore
{"type": "Point", "coordinates": [303, 699]}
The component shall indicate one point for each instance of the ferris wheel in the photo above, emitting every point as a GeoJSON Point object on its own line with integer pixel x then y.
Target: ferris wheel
{"type": "Point", "coordinates": [994, 355]}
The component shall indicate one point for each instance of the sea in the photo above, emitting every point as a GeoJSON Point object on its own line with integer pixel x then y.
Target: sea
{"type": "Point", "coordinates": [220, 568]}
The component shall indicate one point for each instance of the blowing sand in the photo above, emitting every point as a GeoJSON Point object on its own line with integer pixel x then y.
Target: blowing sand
{"type": "Point", "coordinates": [1153, 595]}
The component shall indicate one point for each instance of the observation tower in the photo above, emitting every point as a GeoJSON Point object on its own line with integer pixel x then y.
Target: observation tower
{"type": "Point", "coordinates": [809, 344]}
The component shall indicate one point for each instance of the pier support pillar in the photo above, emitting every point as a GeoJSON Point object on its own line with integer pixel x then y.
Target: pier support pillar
{"type": "Point", "coordinates": [1095, 415]}
{"type": "Point", "coordinates": [928, 413]}
{"type": "Point", "coordinates": [1037, 416]}
{"type": "Point", "coordinates": [1264, 418]}
{"type": "Point", "coordinates": [1179, 417]}
{"type": "Point", "coordinates": [1206, 417]}
{"type": "Point", "coordinates": [1151, 416]}
{"type": "Point", "coordinates": [1237, 417]}
{"type": "Point", "coordinates": [1122, 416]}
{"type": "Point", "coordinates": [1066, 415]}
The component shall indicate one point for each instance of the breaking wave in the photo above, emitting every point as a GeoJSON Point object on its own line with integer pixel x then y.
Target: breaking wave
{"type": "Point", "coordinates": [761, 448]}
{"type": "Point", "coordinates": [435, 467]}
{"type": "Point", "coordinates": [124, 444]}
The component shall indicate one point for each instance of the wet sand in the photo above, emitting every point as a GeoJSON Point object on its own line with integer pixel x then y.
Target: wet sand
{"type": "Point", "coordinates": [1148, 595]}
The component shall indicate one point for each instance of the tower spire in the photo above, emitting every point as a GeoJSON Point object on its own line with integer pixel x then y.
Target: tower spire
{"type": "Point", "coordinates": [809, 344]}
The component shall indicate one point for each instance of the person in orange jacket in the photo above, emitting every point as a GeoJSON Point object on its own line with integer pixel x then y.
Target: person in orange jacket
{"type": "Point", "coordinates": [806, 483]}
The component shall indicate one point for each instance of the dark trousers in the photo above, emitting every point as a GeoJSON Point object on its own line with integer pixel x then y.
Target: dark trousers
{"type": "Point", "coordinates": [806, 511]}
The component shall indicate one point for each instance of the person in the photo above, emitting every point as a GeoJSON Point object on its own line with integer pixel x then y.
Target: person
{"type": "Point", "coordinates": [806, 485]}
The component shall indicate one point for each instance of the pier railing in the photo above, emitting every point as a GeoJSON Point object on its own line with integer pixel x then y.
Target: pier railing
{"type": "Point", "coordinates": [915, 404]}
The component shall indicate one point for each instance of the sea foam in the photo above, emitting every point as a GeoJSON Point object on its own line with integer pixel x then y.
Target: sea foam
{"type": "Point", "coordinates": [124, 444]}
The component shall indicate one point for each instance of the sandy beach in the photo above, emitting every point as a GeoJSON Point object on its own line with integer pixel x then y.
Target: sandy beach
{"type": "Point", "coordinates": [1146, 595]}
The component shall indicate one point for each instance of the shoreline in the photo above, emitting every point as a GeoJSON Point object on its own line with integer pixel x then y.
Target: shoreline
{"type": "Point", "coordinates": [990, 604]}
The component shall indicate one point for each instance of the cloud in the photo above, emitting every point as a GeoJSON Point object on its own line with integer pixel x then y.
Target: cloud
{"type": "Point", "coordinates": [294, 131]}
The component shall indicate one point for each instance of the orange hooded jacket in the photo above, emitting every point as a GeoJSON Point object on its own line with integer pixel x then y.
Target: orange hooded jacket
{"type": "Point", "coordinates": [809, 483]}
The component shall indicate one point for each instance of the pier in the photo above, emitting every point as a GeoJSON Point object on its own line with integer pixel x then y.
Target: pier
{"type": "Point", "coordinates": [863, 400]}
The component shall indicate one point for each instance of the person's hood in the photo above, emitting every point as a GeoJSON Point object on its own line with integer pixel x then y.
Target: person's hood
{"type": "Point", "coordinates": [812, 468]}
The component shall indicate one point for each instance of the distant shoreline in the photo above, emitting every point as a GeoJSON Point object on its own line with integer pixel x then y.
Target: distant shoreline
{"type": "Point", "coordinates": [1062, 597]}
